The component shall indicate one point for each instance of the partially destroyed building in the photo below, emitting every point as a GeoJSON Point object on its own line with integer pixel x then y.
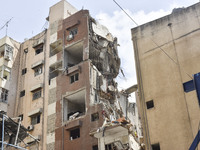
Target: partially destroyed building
{"type": "Point", "coordinates": [167, 62]}
{"type": "Point", "coordinates": [65, 90]}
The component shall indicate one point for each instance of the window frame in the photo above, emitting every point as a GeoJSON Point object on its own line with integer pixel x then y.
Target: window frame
{"type": "Point", "coordinates": [37, 72]}
{"type": "Point", "coordinates": [37, 94]}
{"type": "Point", "coordinates": [35, 119]}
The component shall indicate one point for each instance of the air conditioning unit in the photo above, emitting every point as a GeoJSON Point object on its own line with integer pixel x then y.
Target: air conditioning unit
{"type": "Point", "coordinates": [30, 128]}
{"type": "Point", "coordinates": [70, 37]}
{"type": "Point", "coordinates": [6, 57]}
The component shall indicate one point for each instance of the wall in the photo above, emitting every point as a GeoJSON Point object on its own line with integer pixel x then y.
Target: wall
{"type": "Point", "coordinates": [167, 55]}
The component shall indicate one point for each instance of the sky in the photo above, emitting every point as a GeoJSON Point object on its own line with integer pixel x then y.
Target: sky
{"type": "Point", "coordinates": [29, 17]}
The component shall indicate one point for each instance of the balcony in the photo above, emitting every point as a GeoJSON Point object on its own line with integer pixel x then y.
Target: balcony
{"type": "Point", "coordinates": [55, 47]}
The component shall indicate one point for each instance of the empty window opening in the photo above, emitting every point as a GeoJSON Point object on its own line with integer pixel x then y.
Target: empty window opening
{"type": "Point", "coordinates": [95, 147]}
{"type": "Point", "coordinates": [54, 70]}
{"type": "Point", "coordinates": [24, 71]}
{"type": "Point", "coordinates": [22, 93]}
{"type": "Point", "coordinates": [155, 146]}
{"type": "Point", "coordinates": [73, 55]}
{"type": "Point", "coordinates": [74, 134]}
{"type": "Point", "coordinates": [37, 94]}
{"type": "Point", "coordinates": [38, 49]}
{"type": "Point", "coordinates": [74, 78]}
{"type": "Point", "coordinates": [4, 95]}
{"type": "Point", "coordinates": [35, 119]}
{"type": "Point", "coordinates": [150, 104]}
{"type": "Point", "coordinates": [95, 117]}
{"type": "Point", "coordinates": [74, 106]}
{"type": "Point", "coordinates": [110, 147]}
{"type": "Point", "coordinates": [56, 47]}
{"type": "Point", "coordinates": [38, 70]}
{"type": "Point", "coordinates": [5, 72]}
{"type": "Point", "coordinates": [21, 116]}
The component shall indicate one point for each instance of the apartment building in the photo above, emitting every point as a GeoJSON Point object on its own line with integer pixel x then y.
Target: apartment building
{"type": "Point", "coordinates": [64, 88]}
{"type": "Point", "coordinates": [8, 56]}
{"type": "Point", "coordinates": [167, 62]}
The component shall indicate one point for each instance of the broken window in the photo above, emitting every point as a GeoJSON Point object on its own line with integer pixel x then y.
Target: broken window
{"type": "Point", "coordinates": [38, 70]}
{"type": "Point", "coordinates": [74, 105]}
{"type": "Point", "coordinates": [24, 71]}
{"type": "Point", "coordinates": [4, 95]}
{"type": "Point", "coordinates": [38, 49]}
{"type": "Point", "coordinates": [74, 78]}
{"type": "Point", "coordinates": [74, 134]}
{"type": "Point", "coordinates": [35, 119]}
{"type": "Point", "coordinates": [37, 94]}
{"type": "Point", "coordinates": [95, 117]}
{"type": "Point", "coordinates": [155, 146]}
{"type": "Point", "coordinates": [95, 147]}
{"type": "Point", "coordinates": [150, 104]}
{"type": "Point", "coordinates": [22, 93]}
{"type": "Point", "coordinates": [73, 55]}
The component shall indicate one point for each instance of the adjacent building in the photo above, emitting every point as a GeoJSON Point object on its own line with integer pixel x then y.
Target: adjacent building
{"type": "Point", "coordinates": [167, 62]}
{"type": "Point", "coordinates": [8, 60]}
{"type": "Point", "coordinates": [63, 85]}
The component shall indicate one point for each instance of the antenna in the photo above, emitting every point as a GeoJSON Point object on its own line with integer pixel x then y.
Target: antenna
{"type": "Point", "coordinates": [6, 25]}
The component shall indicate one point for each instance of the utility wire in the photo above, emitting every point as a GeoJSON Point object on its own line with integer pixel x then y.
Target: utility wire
{"type": "Point", "coordinates": [126, 13]}
{"type": "Point", "coordinates": [153, 40]}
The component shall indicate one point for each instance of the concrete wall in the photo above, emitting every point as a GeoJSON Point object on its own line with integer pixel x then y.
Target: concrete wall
{"type": "Point", "coordinates": [167, 55]}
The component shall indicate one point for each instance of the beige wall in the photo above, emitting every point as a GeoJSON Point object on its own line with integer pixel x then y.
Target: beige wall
{"type": "Point", "coordinates": [167, 55]}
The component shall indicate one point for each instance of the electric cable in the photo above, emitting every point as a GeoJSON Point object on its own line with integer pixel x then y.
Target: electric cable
{"type": "Point", "coordinates": [126, 13]}
{"type": "Point", "coordinates": [153, 40]}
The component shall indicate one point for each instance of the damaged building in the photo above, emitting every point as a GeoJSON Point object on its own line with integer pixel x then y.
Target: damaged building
{"type": "Point", "coordinates": [65, 90]}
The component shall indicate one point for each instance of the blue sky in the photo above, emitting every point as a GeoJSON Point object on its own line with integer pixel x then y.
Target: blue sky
{"type": "Point", "coordinates": [29, 19]}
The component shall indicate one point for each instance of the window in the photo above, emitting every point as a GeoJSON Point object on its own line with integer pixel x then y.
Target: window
{"type": "Point", "coordinates": [188, 86]}
{"type": "Point", "coordinates": [37, 94]}
{"type": "Point", "coordinates": [95, 117]}
{"type": "Point", "coordinates": [95, 147]}
{"type": "Point", "coordinates": [38, 49]}
{"type": "Point", "coordinates": [35, 119]}
{"type": "Point", "coordinates": [74, 78]}
{"type": "Point", "coordinates": [150, 104]}
{"type": "Point", "coordinates": [38, 70]}
{"type": "Point", "coordinates": [74, 134]}
{"type": "Point", "coordinates": [4, 95]}
{"type": "Point", "coordinates": [22, 93]}
{"type": "Point", "coordinates": [24, 71]}
{"type": "Point", "coordinates": [110, 146]}
{"type": "Point", "coordinates": [22, 117]}
{"type": "Point", "coordinates": [155, 146]}
{"type": "Point", "coordinates": [8, 52]}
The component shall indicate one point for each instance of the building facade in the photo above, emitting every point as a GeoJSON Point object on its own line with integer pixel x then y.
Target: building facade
{"type": "Point", "coordinates": [167, 62]}
{"type": "Point", "coordinates": [8, 60]}
{"type": "Point", "coordinates": [65, 89]}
